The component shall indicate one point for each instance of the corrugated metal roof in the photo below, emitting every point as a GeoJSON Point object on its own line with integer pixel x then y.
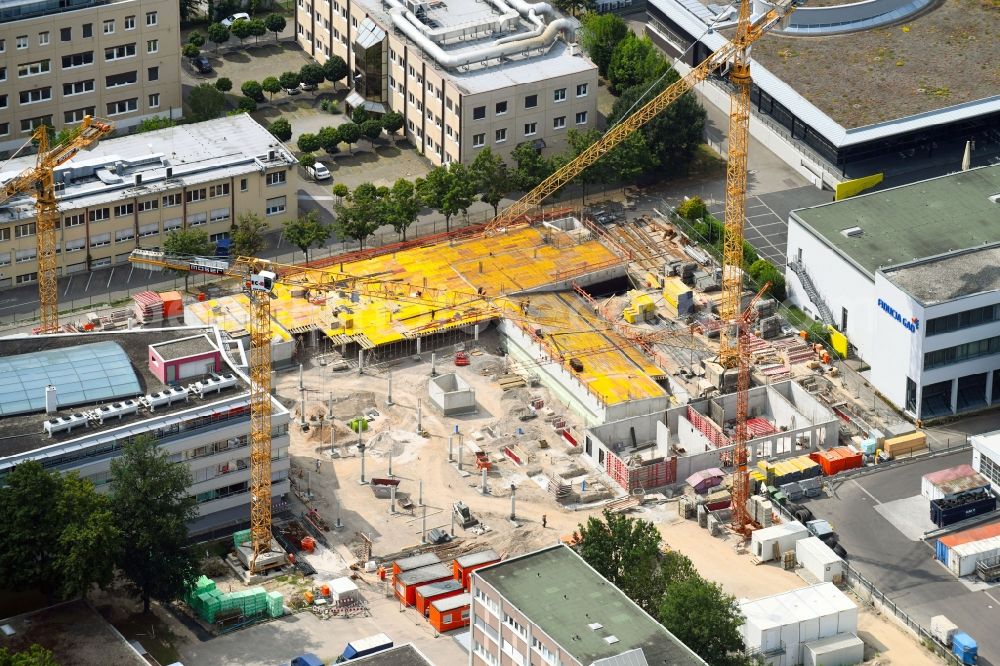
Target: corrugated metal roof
{"type": "Point", "coordinates": [473, 559]}
{"type": "Point", "coordinates": [417, 561]}
{"type": "Point", "coordinates": [424, 574]}
{"type": "Point", "coordinates": [795, 606]}
{"type": "Point", "coordinates": [970, 535]}
{"type": "Point", "coordinates": [451, 603]}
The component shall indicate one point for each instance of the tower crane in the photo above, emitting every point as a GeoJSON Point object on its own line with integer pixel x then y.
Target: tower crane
{"type": "Point", "coordinates": [40, 180]}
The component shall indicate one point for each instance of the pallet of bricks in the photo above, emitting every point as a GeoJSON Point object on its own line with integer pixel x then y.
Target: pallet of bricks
{"type": "Point", "coordinates": [209, 603]}
{"type": "Point", "coordinates": [148, 307]}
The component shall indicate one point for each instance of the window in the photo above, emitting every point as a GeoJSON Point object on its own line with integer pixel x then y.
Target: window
{"type": "Point", "coordinates": [124, 106]}
{"type": "Point", "coordinates": [150, 18]}
{"type": "Point", "coordinates": [215, 238]}
{"type": "Point", "coordinates": [73, 220]}
{"type": "Point", "coordinates": [449, 104]}
{"type": "Point", "coordinates": [29, 124]}
{"type": "Point", "coordinates": [153, 74]}
{"type": "Point", "coordinates": [530, 129]}
{"type": "Point", "coordinates": [275, 206]}
{"type": "Point", "coordinates": [531, 101]}
{"type": "Point", "coordinates": [77, 115]}
{"type": "Point", "coordinates": [5, 234]}
{"type": "Point", "coordinates": [100, 240]}
{"type": "Point", "coordinates": [123, 210]}
{"type": "Point", "coordinates": [501, 108]}
{"type": "Point", "coordinates": [197, 219]}
{"type": "Point", "coordinates": [125, 79]}
{"type": "Point", "coordinates": [963, 352]}
{"type": "Point", "coordinates": [448, 130]}
{"type": "Point", "coordinates": [152, 46]}
{"type": "Point", "coordinates": [3, 73]}
{"type": "Point", "coordinates": [33, 68]}
{"type": "Point", "coordinates": [148, 204]}
{"type": "Point", "coordinates": [130, 23]}
{"type": "Point", "coordinates": [36, 95]}
{"type": "Point", "coordinates": [78, 60]}
{"type": "Point", "coordinates": [22, 42]}
{"type": "Point", "coordinates": [219, 215]}
{"type": "Point", "coordinates": [78, 87]}
{"type": "Point", "coordinates": [581, 90]}
{"type": "Point", "coordinates": [220, 190]}
{"type": "Point", "coordinates": [243, 185]}
{"type": "Point", "coordinates": [3, 45]}
{"type": "Point", "coordinates": [275, 178]}
{"type": "Point", "coordinates": [3, 101]}
{"type": "Point", "coordinates": [99, 214]}
{"type": "Point", "coordinates": [195, 195]}
{"type": "Point", "coordinates": [27, 277]}
{"type": "Point", "coordinates": [581, 118]}
{"type": "Point", "coordinates": [154, 100]}
{"type": "Point", "coordinates": [5, 259]}
{"type": "Point", "coordinates": [170, 225]}
{"type": "Point", "coordinates": [88, 30]}
{"type": "Point", "coordinates": [4, 128]}
{"type": "Point", "coordinates": [123, 235]}
{"type": "Point", "coordinates": [479, 113]}
{"type": "Point", "coordinates": [501, 135]}
{"type": "Point", "coordinates": [149, 230]}
{"type": "Point", "coordinates": [559, 122]}
{"type": "Point", "coordinates": [559, 95]}
{"type": "Point", "coordinates": [24, 230]}
{"type": "Point", "coordinates": [961, 320]}
{"type": "Point", "coordinates": [119, 52]}
{"type": "Point", "coordinates": [478, 140]}
{"type": "Point", "coordinates": [171, 200]}
{"type": "Point", "coordinates": [65, 34]}
{"type": "Point", "coordinates": [109, 27]}
{"type": "Point", "coordinates": [43, 38]}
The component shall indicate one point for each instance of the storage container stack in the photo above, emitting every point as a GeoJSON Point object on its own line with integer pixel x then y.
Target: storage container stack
{"type": "Point", "coordinates": [790, 470]}
{"type": "Point", "coordinates": [148, 307]}
{"type": "Point", "coordinates": [956, 493]}
{"type": "Point", "coordinates": [962, 551]}
{"type": "Point", "coordinates": [208, 602]}
{"type": "Point", "coordinates": [905, 444]}
{"type": "Point", "coordinates": [173, 304]}
{"type": "Point", "coordinates": [837, 459]}
{"type": "Point", "coordinates": [240, 538]}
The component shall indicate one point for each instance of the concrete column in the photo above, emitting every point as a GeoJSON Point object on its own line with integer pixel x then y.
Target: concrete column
{"type": "Point", "coordinates": [954, 396]}
{"type": "Point", "coordinates": [421, 493]}
{"type": "Point", "coordinates": [485, 492]}
{"type": "Point", "coordinates": [418, 346]}
{"type": "Point", "coordinates": [361, 361]}
{"type": "Point", "coordinates": [423, 526]}
{"type": "Point", "coordinates": [475, 332]}
{"type": "Point", "coordinates": [450, 447]}
{"type": "Point", "coordinates": [460, 447]}
{"type": "Point", "coordinates": [390, 461]}
{"type": "Point", "coordinates": [513, 501]}
{"type": "Point", "coordinates": [392, 499]}
{"type": "Point", "coordinates": [419, 421]}
{"type": "Point", "coordinates": [388, 399]}
{"type": "Point", "coordinates": [433, 364]}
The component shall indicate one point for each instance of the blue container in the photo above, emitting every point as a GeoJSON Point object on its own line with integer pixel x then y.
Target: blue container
{"type": "Point", "coordinates": [947, 511]}
{"type": "Point", "coordinates": [941, 552]}
{"type": "Point", "coordinates": [964, 647]}
{"type": "Point", "coordinates": [868, 447]}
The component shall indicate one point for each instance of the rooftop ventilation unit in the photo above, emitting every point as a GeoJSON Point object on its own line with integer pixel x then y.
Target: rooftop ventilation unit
{"type": "Point", "coordinates": [114, 410]}
{"type": "Point", "coordinates": [214, 384]}
{"type": "Point", "coordinates": [995, 198]}
{"type": "Point", "coordinates": [853, 232]}
{"type": "Point", "coordinates": [610, 640]}
{"type": "Point", "coordinates": [595, 626]}
{"type": "Point", "coordinates": [163, 398]}
{"type": "Point", "coordinates": [64, 423]}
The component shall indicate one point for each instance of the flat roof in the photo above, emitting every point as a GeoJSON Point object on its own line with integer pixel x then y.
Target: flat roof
{"type": "Point", "coordinates": [472, 559]}
{"type": "Point", "coordinates": [916, 221]}
{"type": "Point", "coordinates": [950, 276]}
{"type": "Point", "coordinates": [424, 574]}
{"type": "Point", "coordinates": [564, 596]}
{"type": "Point", "coordinates": [451, 603]}
{"type": "Point", "coordinates": [440, 587]}
{"type": "Point", "coordinates": [794, 606]}
{"type": "Point", "coordinates": [555, 62]}
{"type": "Point", "coordinates": [175, 349]}
{"type": "Point", "coordinates": [23, 433]}
{"type": "Point", "coordinates": [401, 655]}
{"type": "Point", "coordinates": [417, 561]}
{"type": "Point", "coordinates": [136, 165]}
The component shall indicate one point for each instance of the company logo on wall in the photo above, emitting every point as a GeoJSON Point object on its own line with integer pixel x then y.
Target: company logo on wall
{"type": "Point", "coordinates": [912, 324]}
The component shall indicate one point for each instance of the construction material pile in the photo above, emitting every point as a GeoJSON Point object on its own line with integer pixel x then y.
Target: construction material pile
{"type": "Point", "coordinates": [211, 604]}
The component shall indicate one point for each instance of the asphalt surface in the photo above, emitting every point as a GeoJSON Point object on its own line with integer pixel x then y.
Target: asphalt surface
{"type": "Point", "coordinates": [906, 570]}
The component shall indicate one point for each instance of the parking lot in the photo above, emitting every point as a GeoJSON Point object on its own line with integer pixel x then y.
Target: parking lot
{"type": "Point", "coordinates": [903, 568]}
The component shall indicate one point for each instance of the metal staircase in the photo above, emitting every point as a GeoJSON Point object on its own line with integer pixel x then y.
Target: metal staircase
{"type": "Point", "coordinates": [810, 289]}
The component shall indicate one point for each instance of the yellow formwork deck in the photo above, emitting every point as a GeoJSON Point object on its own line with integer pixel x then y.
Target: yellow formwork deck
{"type": "Point", "coordinates": [232, 315]}
{"type": "Point", "coordinates": [613, 369]}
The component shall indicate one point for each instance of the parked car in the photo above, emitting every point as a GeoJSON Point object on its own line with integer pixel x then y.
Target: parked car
{"type": "Point", "coordinates": [292, 91]}
{"type": "Point", "coordinates": [307, 86]}
{"type": "Point", "coordinates": [318, 171]}
{"type": "Point", "coordinates": [201, 64]}
{"type": "Point", "coordinates": [230, 20]}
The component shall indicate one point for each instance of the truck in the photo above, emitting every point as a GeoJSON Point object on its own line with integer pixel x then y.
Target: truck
{"type": "Point", "coordinates": [364, 647]}
{"type": "Point", "coordinates": [307, 659]}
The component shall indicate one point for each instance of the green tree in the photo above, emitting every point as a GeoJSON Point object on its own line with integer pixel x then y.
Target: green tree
{"type": "Point", "coordinates": [89, 536]}
{"type": "Point", "coordinates": [196, 38]}
{"type": "Point", "coordinates": [631, 159]}
{"type": "Point", "coordinates": [575, 7]}
{"type": "Point", "coordinates": [289, 80]}
{"type": "Point", "coordinates": [275, 23]}
{"type": "Point", "coordinates": [674, 134]}
{"type": "Point", "coordinates": [705, 619]}
{"type": "Point", "coordinates": [154, 123]}
{"type": "Point", "coordinates": [329, 139]}
{"type": "Point", "coordinates": [448, 190]}
{"type": "Point", "coordinates": [188, 8]}
{"type": "Point", "coordinates": [205, 102]}
{"type": "Point", "coordinates": [403, 206]}
{"type": "Point", "coordinates": [152, 508]}
{"type": "Point", "coordinates": [241, 29]}
{"type": "Point", "coordinates": [371, 129]}
{"type": "Point", "coordinates": [190, 51]}
{"type": "Point", "coordinates": [247, 104]}
{"type": "Point", "coordinates": [312, 74]}
{"type": "Point", "coordinates": [692, 209]}
{"type": "Point", "coordinates": [306, 160]}
{"type": "Point", "coordinates": [218, 34]}
{"type": "Point", "coordinates": [271, 86]}
{"type": "Point", "coordinates": [599, 172]}
{"type": "Point", "coordinates": [359, 115]}
{"type": "Point", "coordinates": [491, 177]}
{"type": "Point", "coordinates": [361, 213]}
{"type": "Point", "coordinates": [531, 167]}
{"type": "Point", "coordinates": [35, 655]}
{"type": "Point", "coordinates": [306, 232]}
{"type": "Point", "coordinates": [626, 551]}
{"type": "Point", "coordinates": [763, 271]}
{"type": "Point", "coordinates": [258, 29]}
{"type": "Point", "coordinates": [247, 235]}
{"type": "Point", "coordinates": [252, 89]}
{"type": "Point", "coordinates": [392, 122]}
{"type": "Point", "coordinates": [188, 242]}
{"type": "Point", "coordinates": [222, 84]}
{"type": "Point", "coordinates": [335, 70]}
{"type": "Point", "coordinates": [634, 61]}
{"type": "Point", "coordinates": [308, 143]}
{"type": "Point", "coordinates": [599, 35]}
{"type": "Point", "coordinates": [341, 191]}
{"type": "Point", "coordinates": [349, 134]}
{"type": "Point", "coordinates": [280, 128]}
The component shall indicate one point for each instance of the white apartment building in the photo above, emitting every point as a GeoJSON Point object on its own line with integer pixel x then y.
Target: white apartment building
{"type": "Point", "coordinates": [61, 60]}
{"type": "Point", "coordinates": [132, 191]}
{"type": "Point", "coordinates": [106, 389]}
{"type": "Point", "coordinates": [465, 74]}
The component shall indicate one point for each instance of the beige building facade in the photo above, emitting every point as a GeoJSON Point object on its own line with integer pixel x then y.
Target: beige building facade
{"type": "Point", "coordinates": [62, 59]}
{"type": "Point", "coordinates": [464, 74]}
{"type": "Point", "coordinates": [132, 191]}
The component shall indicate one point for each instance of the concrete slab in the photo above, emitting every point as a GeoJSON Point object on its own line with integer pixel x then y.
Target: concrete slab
{"type": "Point", "coordinates": [909, 516]}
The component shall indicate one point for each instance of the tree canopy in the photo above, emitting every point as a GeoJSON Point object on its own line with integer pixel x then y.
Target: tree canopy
{"type": "Point", "coordinates": [241, 29]}
{"type": "Point", "coordinates": [349, 134]}
{"type": "Point", "coordinates": [403, 206]}
{"type": "Point", "coordinates": [271, 85]}
{"type": "Point", "coordinates": [705, 619]}
{"type": "Point", "coordinates": [252, 89]}
{"type": "Point", "coordinates": [152, 508]}
{"type": "Point", "coordinates": [335, 69]}
{"type": "Point", "coordinates": [306, 232]}
{"type": "Point", "coordinates": [362, 212]}
{"type": "Point", "coordinates": [392, 122]}
{"type": "Point", "coordinates": [329, 139]}
{"type": "Point", "coordinates": [371, 129]}
{"type": "Point", "coordinates": [258, 29]}
{"type": "Point", "coordinates": [634, 61]}
{"type": "Point", "coordinates": [531, 168]}
{"type": "Point", "coordinates": [492, 178]}
{"type": "Point", "coordinates": [218, 34]}
{"type": "Point", "coordinates": [308, 142]}
{"type": "Point", "coordinates": [289, 80]}
{"type": "Point", "coordinates": [599, 35]}
{"type": "Point", "coordinates": [188, 241]}
{"type": "Point", "coordinates": [154, 123]}
{"type": "Point", "coordinates": [205, 102]}
{"type": "Point", "coordinates": [448, 190]}
{"type": "Point", "coordinates": [280, 128]}
{"type": "Point", "coordinates": [247, 235]}
{"type": "Point", "coordinates": [275, 23]}
{"type": "Point", "coordinates": [223, 84]}
{"type": "Point", "coordinates": [35, 655]}
{"type": "Point", "coordinates": [312, 74]}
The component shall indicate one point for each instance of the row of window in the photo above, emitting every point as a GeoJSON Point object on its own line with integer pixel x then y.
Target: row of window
{"type": "Point", "coordinates": [963, 352]}
{"type": "Point", "coordinates": [967, 319]}
{"type": "Point", "coordinates": [530, 102]}
{"type": "Point", "coordinates": [86, 30]}
{"type": "Point", "coordinates": [530, 129]}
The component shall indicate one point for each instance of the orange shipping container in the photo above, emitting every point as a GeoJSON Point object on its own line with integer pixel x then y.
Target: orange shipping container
{"type": "Point", "coordinates": [450, 613]}
{"type": "Point", "coordinates": [968, 536]}
{"type": "Point", "coordinates": [173, 303]}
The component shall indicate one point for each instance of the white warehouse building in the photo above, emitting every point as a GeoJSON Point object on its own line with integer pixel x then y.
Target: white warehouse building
{"type": "Point", "coordinates": [72, 401]}
{"type": "Point", "coordinates": [909, 275]}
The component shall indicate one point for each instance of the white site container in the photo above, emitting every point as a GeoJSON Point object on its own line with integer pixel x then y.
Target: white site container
{"type": "Point", "coordinates": [343, 591]}
{"type": "Point", "coordinates": [818, 559]}
{"type": "Point", "coordinates": [943, 629]}
{"type": "Point", "coordinates": [843, 650]}
{"type": "Point", "coordinates": [785, 535]}
{"type": "Point", "coordinates": [784, 622]}
{"type": "Point", "coordinates": [962, 559]}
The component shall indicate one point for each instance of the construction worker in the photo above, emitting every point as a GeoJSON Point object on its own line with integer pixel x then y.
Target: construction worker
{"type": "Point", "coordinates": [545, 520]}
{"type": "Point", "coordinates": [317, 465]}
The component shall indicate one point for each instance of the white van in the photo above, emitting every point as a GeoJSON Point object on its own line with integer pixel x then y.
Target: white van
{"type": "Point", "coordinates": [318, 171]}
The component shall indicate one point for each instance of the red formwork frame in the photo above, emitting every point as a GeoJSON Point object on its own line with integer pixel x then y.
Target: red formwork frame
{"type": "Point", "coordinates": [652, 475]}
